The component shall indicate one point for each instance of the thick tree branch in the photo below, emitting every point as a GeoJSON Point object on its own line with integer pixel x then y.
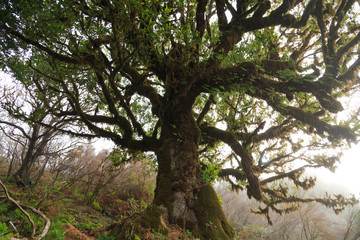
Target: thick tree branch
{"type": "Point", "coordinates": [92, 118]}
{"type": "Point", "coordinates": [226, 78]}
{"type": "Point", "coordinates": [306, 14]}
{"type": "Point", "coordinates": [323, 30]}
{"type": "Point", "coordinates": [17, 127]}
{"type": "Point", "coordinates": [239, 25]}
{"type": "Point", "coordinates": [293, 175]}
{"type": "Point", "coordinates": [140, 86]}
{"type": "Point", "coordinates": [286, 6]}
{"type": "Point", "coordinates": [344, 50]}
{"type": "Point", "coordinates": [305, 117]}
{"type": "Point", "coordinates": [200, 17]}
{"type": "Point", "coordinates": [123, 123]}
{"type": "Point", "coordinates": [205, 110]}
{"type": "Point", "coordinates": [227, 172]}
{"type": "Point", "coordinates": [336, 22]}
{"type": "Point", "coordinates": [351, 76]}
{"type": "Point", "coordinates": [247, 73]}
{"type": "Point", "coordinates": [220, 10]}
{"type": "Point", "coordinates": [246, 159]}
{"type": "Point", "coordinates": [249, 140]}
{"type": "Point", "coordinates": [136, 125]}
{"type": "Point", "coordinates": [147, 144]}
{"type": "Point", "coordinates": [275, 131]}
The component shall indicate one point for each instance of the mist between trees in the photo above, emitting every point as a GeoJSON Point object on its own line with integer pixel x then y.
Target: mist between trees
{"type": "Point", "coordinates": [310, 221]}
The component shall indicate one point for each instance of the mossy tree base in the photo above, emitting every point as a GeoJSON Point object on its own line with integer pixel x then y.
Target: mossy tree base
{"type": "Point", "coordinates": [182, 198]}
{"type": "Point", "coordinates": [149, 220]}
{"type": "Point", "coordinates": [211, 223]}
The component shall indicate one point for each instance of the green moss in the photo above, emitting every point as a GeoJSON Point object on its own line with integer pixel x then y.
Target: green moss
{"type": "Point", "coordinates": [164, 194]}
{"type": "Point", "coordinates": [212, 221]}
{"type": "Point", "coordinates": [149, 219]}
{"type": "Point", "coordinates": [86, 226]}
{"type": "Point", "coordinates": [4, 204]}
{"type": "Point", "coordinates": [64, 218]}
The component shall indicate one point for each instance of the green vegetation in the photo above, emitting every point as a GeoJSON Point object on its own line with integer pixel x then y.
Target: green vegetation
{"type": "Point", "coordinates": [249, 92]}
{"type": "Point", "coordinates": [5, 233]}
{"type": "Point", "coordinates": [64, 200]}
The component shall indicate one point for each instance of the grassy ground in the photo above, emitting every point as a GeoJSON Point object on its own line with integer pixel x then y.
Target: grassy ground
{"type": "Point", "coordinates": [70, 217]}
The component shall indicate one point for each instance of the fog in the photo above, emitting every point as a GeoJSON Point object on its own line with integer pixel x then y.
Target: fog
{"type": "Point", "coordinates": [311, 221]}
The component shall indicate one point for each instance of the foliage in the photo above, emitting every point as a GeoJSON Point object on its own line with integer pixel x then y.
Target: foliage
{"type": "Point", "coordinates": [101, 237]}
{"type": "Point", "coordinates": [5, 233]}
{"type": "Point", "coordinates": [210, 174]}
{"type": "Point", "coordinates": [56, 231]}
{"type": "Point", "coordinates": [220, 200]}
{"type": "Point", "coordinates": [96, 206]}
{"type": "Point", "coordinates": [256, 84]}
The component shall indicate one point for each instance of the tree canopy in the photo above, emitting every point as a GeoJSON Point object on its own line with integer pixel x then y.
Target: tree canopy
{"type": "Point", "coordinates": [246, 91]}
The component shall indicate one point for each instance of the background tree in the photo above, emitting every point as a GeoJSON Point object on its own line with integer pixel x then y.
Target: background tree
{"type": "Point", "coordinates": [353, 227]}
{"type": "Point", "coordinates": [182, 79]}
{"type": "Point", "coordinates": [27, 143]}
{"type": "Point", "coordinates": [310, 221]}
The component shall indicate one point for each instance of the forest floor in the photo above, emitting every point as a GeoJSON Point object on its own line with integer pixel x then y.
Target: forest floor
{"type": "Point", "coordinates": [75, 214]}
{"type": "Point", "coordinates": [71, 217]}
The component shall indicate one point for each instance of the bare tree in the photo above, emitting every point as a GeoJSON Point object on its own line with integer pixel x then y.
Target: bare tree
{"type": "Point", "coordinates": [310, 221]}
{"type": "Point", "coordinates": [28, 142]}
{"type": "Point", "coordinates": [353, 224]}
{"type": "Point", "coordinates": [103, 173]}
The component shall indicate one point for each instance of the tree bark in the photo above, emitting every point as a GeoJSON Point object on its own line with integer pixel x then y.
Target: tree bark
{"type": "Point", "coordinates": [41, 172]}
{"type": "Point", "coordinates": [182, 198]}
{"type": "Point", "coordinates": [29, 159]}
{"type": "Point", "coordinates": [11, 162]}
{"type": "Point", "coordinates": [35, 148]}
{"type": "Point", "coordinates": [187, 201]}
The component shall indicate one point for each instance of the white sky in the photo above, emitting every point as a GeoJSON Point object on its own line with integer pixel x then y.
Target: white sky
{"type": "Point", "coordinates": [347, 173]}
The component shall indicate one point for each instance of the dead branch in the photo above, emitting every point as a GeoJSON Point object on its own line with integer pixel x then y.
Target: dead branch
{"type": "Point", "coordinates": [21, 209]}
{"type": "Point", "coordinates": [47, 222]}
{"type": "Point", "coordinates": [21, 206]}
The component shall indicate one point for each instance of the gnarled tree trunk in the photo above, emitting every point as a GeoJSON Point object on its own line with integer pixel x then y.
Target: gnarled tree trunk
{"type": "Point", "coordinates": [34, 149]}
{"type": "Point", "coordinates": [28, 161]}
{"type": "Point", "coordinates": [181, 196]}
{"type": "Point", "coordinates": [187, 200]}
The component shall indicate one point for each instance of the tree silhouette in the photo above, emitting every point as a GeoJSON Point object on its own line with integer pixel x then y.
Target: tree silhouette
{"type": "Point", "coordinates": [183, 79]}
